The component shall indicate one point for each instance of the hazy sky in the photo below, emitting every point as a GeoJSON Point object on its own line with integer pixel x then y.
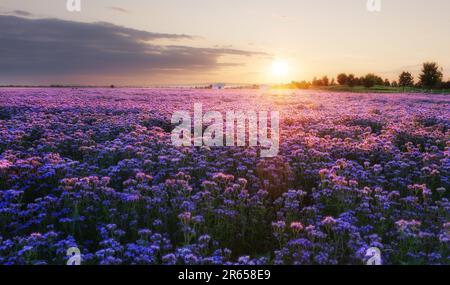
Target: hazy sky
{"type": "Point", "coordinates": [195, 41]}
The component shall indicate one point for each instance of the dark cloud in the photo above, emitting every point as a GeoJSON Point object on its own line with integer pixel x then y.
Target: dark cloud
{"type": "Point", "coordinates": [119, 9]}
{"type": "Point", "coordinates": [22, 13]}
{"type": "Point", "coordinates": [46, 47]}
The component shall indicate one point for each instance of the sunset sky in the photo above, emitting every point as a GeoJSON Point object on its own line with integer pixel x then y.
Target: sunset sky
{"type": "Point", "coordinates": [142, 42]}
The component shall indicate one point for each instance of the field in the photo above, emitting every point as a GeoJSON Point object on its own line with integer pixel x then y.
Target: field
{"type": "Point", "coordinates": [96, 169]}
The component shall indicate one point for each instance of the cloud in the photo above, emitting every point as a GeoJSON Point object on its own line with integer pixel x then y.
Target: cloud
{"type": "Point", "coordinates": [47, 48]}
{"type": "Point", "coordinates": [119, 9]}
{"type": "Point", "coordinates": [280, 17]}
{"type": "Point", "coordinates": [22, 13]}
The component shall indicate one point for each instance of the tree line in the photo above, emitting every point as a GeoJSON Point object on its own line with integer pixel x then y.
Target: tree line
{"type": "Point", "coordinates": [431, 77]}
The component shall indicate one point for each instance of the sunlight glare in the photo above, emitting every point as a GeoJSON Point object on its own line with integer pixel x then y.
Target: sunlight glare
{"type": "Point", "coordinates": [280, 68]}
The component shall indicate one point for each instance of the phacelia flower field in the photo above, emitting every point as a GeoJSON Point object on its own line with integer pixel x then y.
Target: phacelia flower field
{"type": "Point", "coordinates": [96, 169]}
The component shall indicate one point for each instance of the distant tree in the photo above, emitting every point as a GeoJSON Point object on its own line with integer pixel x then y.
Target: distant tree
{"type": "Point", "coordinates": [301, 85]}
{"type": "Point", "coordinates": [387, 83]}
{"type": "Point", "coordinates": [431, 75]}
{"type": "Point", "coordinates": [357, 81]}
{"type": "Point", "coordinates": [333, 82]}
{"type": "Point", "coordinates": [320, 82]}
{"type": "Point", "coordinates": [370, 80]}
{"type": "Point", "coordinates": [405, 80]}
{"type": "Point", "coordinates": [379, 81]}
{"type": "Point", "coordinates": [342, 79]}
{"type": "Point", "coordinates": [351, 80]}
{"type": "Point", "coordinates": [394, 84]}
{"type": "Point", "coordinates": [446, 85]}
{"type": "Point", "coordinates": [316, 82]}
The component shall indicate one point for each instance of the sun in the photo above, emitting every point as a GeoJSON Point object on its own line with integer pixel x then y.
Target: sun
{"type": "Point", "coordinates": [280, 68]}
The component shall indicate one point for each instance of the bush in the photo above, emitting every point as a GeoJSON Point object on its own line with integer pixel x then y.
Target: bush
{"type": "Point", "coordinates": [342, 79]}
{"type": "Point", "coordinates": [405, 79]}
{"type": "Point", "coordinates": [370, 80]}
{"type": "Point", "coordinates": [431, 75]}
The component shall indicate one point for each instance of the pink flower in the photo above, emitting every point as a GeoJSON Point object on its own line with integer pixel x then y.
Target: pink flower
{"type": "Point", "coordinates": [142, 177]}
{"type": "Point", "coordinates": [323, 173]}
{"type": "Point", "coordinates": [329, 221]}
{"type": "Point", "coordinates": [4, 164]}
{"type": "Point", "coordinates": [36, 235]}
{"type": "Point", "coordinates": [296, 227]}
{"type": "Point", "coordinates": [404, 225]}
{"type": "Point", "coordinates": [185, 217]}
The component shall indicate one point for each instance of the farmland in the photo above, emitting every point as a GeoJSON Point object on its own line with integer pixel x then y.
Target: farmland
{"type": "Point", "coordinates": [95, 169]}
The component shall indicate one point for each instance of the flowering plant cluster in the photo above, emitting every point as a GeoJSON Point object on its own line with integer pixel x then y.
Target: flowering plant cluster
{"type": "Point", "coordinates": [95, 169]}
